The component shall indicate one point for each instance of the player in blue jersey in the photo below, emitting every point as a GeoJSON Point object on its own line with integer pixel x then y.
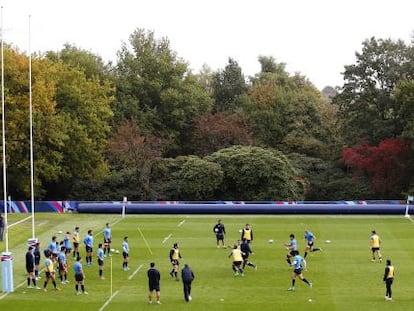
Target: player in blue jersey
{"type": "Point", "coordinates": [63, 266]}
{"type": "Point", "coordinates": [53, 248]}
{"type": "Point", "coordinates": [107, 235]}
{"type": "Point", "coordinates": [291, 247]}
{"type": "Point", "coordinates": [88, 241]}
{"type": "Point", "coordinates": [310, 240]}
{"type": "Point", "coordinates": [298, 264]}
{"type": "Point", "coordinates": [125, 253]}
{"type": "Point", "coordinates": [101, 256]}
{"type": "Point", "coordinates": [79, 276]}
{"type": "Point", "coordinates": [67, 243]}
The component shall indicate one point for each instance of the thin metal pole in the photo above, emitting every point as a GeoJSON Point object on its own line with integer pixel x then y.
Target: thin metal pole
{"type": "Point", "coordinates": [3, 124]}
{"type": "Point", "coordinates": [31, 137]}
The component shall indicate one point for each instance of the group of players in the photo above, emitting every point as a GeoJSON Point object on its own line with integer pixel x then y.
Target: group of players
{"type": "Point", "coordinates": [242, 250]}
{"type": "Point", "coordinates": [58, 254]}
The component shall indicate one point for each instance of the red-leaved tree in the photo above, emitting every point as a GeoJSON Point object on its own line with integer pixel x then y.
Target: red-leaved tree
{"type": "Point", "coordinates": [387, 165]}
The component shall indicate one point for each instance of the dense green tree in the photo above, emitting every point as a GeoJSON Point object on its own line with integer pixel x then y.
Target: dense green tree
{"type": "Point", "coordinates": [253, 173]}
{"type": "Point", "coordinates": [368, 108]}
{"type": "Point", "coordinates": [287, 112]}
{"type": "Point", "coordinates": [229, 87]}
{"type": "Point", "coordinates": [198, 179]}
{"type": "Point", "coordinates": [155, 88]}
{"type": "Point", "coordinates": [87, 62]}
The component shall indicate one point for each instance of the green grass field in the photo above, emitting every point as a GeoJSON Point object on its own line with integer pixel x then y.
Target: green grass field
{"type": "Point", "coordinates": [343, 276]}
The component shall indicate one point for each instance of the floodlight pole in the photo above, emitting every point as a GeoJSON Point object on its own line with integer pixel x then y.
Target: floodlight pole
{"type": "Point", "coordinates": [31, 138]}
{"type": "Point", "coordinates": [6, 257]}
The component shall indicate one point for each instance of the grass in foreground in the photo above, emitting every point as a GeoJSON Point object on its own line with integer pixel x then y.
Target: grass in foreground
{"type": "Point", "coordinates": [343, 275]}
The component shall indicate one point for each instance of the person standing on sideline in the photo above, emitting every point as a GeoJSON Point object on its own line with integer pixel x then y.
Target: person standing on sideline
{"type": "Point", "coordinates": [50, 272]}
{"type": "Point", "coordinates": [154, 278]}
{"type": "Point", "coordinates": [247, 234]}
{"type": "Point", "coordinates": [375, 243]}
{"type": "Point", "coordinates": [310, 241]}
{"type": "Point", "coordinates": [37, 256]}
{"type": "Point", "coordinates": [30, 266]}
{"type": "Point", "coordinates": [237, 259]}
{"type": "Point", "coordinates": [246, 251]}
{"type": "Point", "coordinates": [298, 264]}
{"type": "Point", "coordinates": [79, 276]}
{"type": "Point", "coordinates": [107, 234]}
{"type": "Point", "coordinates": [388, 279]}
{"type": "Point", "coordinates": [220, 231]}
{"type": "Point", "coordinates": [125, 253]}
{"type": "Point", "coordinates": [187, 276]}
{"type": "Point", "coordinates": [75, 240]}
{"type": "Point", "coordinates": [101, 256]}
{"type": "Point", "coordinates": [291, 247]}
{"type": "Point", "coordinates": [175, 255]}
{"type": "Point", "coordinates": [88, 241]}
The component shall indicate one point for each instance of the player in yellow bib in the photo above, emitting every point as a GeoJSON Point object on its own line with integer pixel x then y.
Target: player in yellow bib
{"type": "Point", "coordinates": [175, 255]}
{"type": "Point", "coordinates": [237, 259]}
{"type": "Point", "coordinates": [247, 234]}
{"type": "Point", "coordinates": [375, 243]}
{"type": "Point", "coordinates": [388, 279]}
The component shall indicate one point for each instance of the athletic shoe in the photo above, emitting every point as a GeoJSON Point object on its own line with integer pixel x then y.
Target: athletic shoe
{"type": "Point", "coordinates": [189, 298]}
{"type": "Point", "coordinates": [242, 274]}
{"type": "Point", "coordinates": [291, 288]}
{"type": "Point", "coordinates": [67, 282]}
{"type": "Point", "coordinates": [78, 293]}
{"type": "Point", "coordinates": [310, 285]}
{"type": "Point", "coordinates": [85, 293]}
{"type": "Point", "coordinates": [30, 286]}
{"type": "Point", "coordinates": [380, 260]}
{"type": "Point", "coordinates": [388, 299]}
{"type": "Point", "coordinates": [158, 302]}
{"type": "Point", "coordinates": [150, 302]}
{"type": "Point", "coordinates": [45, 289]}
{"type": "Point", "coordinates": [57, 289]}
{"type": "Point", "coordinates": [373, 260]}
{"type": "Point", "coordinates": [255, 267]}
{"type": "Point", "coordinates": [236, 273]}
{"type": "Point", "coordinates": [37, 287]}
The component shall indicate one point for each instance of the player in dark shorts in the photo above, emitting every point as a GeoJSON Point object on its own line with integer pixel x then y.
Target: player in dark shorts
{"type": "Point", "coordinates": [30, 267]}
{"type": "Point", "coordinates": [79, 276]}
{"type": "Point", "coordinates": [220, 231]}
{"type": "Point", "coordinates": [153, 282]}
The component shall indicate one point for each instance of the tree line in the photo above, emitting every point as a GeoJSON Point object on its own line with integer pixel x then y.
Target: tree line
{"type": "Point", "coordinates": [149, 128]}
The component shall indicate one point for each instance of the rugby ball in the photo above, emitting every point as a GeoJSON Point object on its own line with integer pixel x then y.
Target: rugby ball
{"type": "Point", "coordinates": [240, 231]}
{"type": "Point", "coordinates": [328, 241]}
{"type": "Point", "coordinates": [271, 241]}
{"type": "Point", "coordinates": [216, 230]}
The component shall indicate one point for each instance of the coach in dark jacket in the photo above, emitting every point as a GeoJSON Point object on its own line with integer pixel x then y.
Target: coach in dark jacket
{"type": "Point", "coordinates": [187, 276]}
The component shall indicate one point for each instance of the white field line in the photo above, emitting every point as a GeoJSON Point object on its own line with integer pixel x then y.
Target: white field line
{"type": "Point", "coordinates": [135, 272]}
{"type": "Point", "coordinates": [166, 238]}
{"type": "Point", "coordinates": [19, 222]}
{"type": "Point", "coordinates": [181, 223]}
{"type": "Point", "coordinates": [410, 219]}
{"type": "Point", "coordinates": [109, 300]}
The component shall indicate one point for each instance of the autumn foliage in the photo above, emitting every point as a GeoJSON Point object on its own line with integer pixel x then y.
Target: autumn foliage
{"type": "Point", "coordinates": [386, 165]}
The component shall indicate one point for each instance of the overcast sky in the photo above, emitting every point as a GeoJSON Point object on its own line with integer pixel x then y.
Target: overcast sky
{"type": "Point", "coordinates": [313, 37]}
